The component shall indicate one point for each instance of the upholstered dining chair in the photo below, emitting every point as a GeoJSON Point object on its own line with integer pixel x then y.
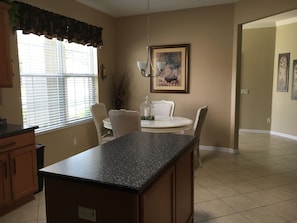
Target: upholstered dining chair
{"type": "Point", "coordinates": [124, 121]}
{"type": "Point", "coordinates": [99, 113]}
{"type": "Point", "coordinates": [197, 127]}
{"type": "Point", "coordinates": [163, 108]}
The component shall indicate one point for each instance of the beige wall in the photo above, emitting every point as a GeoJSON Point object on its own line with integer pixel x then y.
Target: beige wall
{"type": "Point", "coordinates": [247, 11]}
{"type": "Point", "coordinates": [209, 31]}
{"type": "Point", "coordinates": [258, 48]}
{"type": "Point", "coordinates": [284, 110]}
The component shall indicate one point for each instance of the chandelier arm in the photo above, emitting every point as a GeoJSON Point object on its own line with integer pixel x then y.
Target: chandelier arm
{"type": "Point", "coordinates": [146, 72]}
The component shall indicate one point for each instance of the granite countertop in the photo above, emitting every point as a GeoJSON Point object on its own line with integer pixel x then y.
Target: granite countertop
{"type": "Point", "coordinates": [130, 162]}
{"type": "Point", "coordinates": [13, 129]}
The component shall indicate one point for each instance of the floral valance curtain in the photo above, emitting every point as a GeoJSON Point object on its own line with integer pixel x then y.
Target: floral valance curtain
{"type": "Point", "coordinates": [31, 19]}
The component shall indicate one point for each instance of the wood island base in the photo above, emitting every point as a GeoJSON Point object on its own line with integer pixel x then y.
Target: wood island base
{"type": "Point", "coordinates": [167, 199]}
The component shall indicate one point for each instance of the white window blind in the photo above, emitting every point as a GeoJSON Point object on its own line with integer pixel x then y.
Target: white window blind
{"type": "Point", "coordinates": [58, 81]}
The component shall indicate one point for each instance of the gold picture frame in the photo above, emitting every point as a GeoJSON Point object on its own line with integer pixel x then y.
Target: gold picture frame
{"type": "Point", "coordinates": [175, 77]}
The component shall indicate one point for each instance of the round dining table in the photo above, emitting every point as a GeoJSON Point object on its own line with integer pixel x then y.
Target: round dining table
{"type": "Point", "coordinates": [167, 124]}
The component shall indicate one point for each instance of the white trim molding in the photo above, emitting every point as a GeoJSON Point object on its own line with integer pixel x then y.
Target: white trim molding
{"type": "Point", "coordinates": [236, 151]}
{"type": "Point", "coordinates": [219, 149]}
{"type": "Point", "coordinates": [254, 131]}
{"type": "Point", "coordinates": [283, 135]}
{"type": "Point", "coordinates": [268, 132]}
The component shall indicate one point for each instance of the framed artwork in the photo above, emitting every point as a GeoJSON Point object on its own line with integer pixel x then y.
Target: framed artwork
{"type": "Point", "coordinates": [174, 78]}
{"type": "Point", "coordinates": [294, 80]}
{"type": "Point", "coordinates": [283, 72]}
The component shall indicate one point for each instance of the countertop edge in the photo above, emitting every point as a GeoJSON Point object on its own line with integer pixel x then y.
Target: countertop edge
{"type": "Point", "coordinates": [12, 130]}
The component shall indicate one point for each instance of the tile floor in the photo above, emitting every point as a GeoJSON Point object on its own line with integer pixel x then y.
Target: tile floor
{"type": "Point", "coordinates": [258, 185]}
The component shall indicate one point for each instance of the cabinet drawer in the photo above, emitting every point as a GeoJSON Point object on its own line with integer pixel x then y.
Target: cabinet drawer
{"type": "Point", "coordinates": [17, 141]}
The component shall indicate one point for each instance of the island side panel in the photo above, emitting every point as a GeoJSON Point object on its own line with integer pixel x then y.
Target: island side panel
{"type": "Point", "coordinates": [185, 188]}
{"type": "Point", "coordinates": [64, 197]}
{"type": "Point", "coordinates": [170, 198]}
{"type": "Point", "coordinates": [157, 202]}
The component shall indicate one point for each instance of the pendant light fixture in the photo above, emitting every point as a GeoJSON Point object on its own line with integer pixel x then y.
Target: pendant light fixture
{"type": "Point", "coordinates": [144, 67]}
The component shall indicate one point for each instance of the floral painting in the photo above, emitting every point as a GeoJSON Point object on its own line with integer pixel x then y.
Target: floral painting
{"type": "Point", "coordinates": [174, 78]}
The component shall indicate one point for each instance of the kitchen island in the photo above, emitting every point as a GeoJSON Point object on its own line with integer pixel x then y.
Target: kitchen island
{"type": "Point", "coordinates": [137, 178]}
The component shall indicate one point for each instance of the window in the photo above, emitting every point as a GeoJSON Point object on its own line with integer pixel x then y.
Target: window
{"type": "Point", "coordinates": [58, 81]}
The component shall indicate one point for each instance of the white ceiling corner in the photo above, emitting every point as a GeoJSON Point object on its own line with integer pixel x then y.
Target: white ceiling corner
{"type": "Point", "coordinates": [120, 8]}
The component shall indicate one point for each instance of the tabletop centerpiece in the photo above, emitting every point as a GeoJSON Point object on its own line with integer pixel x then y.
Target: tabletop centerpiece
{"type": "Point", "coordinates": [147, 110]}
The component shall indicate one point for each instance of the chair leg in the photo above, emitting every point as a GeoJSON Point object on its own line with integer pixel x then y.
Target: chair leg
{"type": "Point", "coordinates": [199, 159]}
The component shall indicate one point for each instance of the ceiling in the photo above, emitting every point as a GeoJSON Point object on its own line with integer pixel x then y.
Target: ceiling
{"type": "Point", "coordinates": [272, 21]}
{"type": "Point", "coordinates": [121, 8]}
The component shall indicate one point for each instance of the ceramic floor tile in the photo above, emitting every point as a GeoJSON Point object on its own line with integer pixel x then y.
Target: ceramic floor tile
{"type": "Point", "coordinates": [286, 209]}
{"type": "Point", "coordinates": [243, 186]}
{"type": "Point", "coordinates": [240, 202]}
{"type": "Point", "coordinates": [215, 208]}
{"type": "Point", "coordinates": [207, 181]}
{"type": "Point", "coordinates": [283, 192]}
{"type": "Point", "coordinates": [262, 197]}
{"type": "Point", "coordinates": [244, 174]}
{"type": "Point", "coordinates": [22, 215]}
{"type": "Point", "coordinates": [207, 221]}
{"type": "Point", "coordinates": [234, 218]}
{"type": "Point", "coordinates": [222, 190]}
{"type": "Point", "coordinates": [262, 215]}
{"type": "Point", "coordinates": [202, 195]}
{"type": "Point", "coordinates": [226, 177]}
{"type": "Point", "coordinates": [200, 215]}
{"type": "Point", "coordinates": [262, 171]}
{"type": "Point", "coordinates": [281, 179]}
{"type": "Point", "coordinates": [264, 182]}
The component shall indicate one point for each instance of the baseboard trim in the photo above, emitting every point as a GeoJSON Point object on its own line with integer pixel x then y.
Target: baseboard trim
{"type": "Point", "coordinates": [254, 131]}
{"type": "Point", "coordinates": [268, 132]}
{"type": "Point", "coordinates": [283, 135]}
{"type": "Point", "coordinates": [219, 149]}
{"type": "Point", "coordinates": [236, 151]}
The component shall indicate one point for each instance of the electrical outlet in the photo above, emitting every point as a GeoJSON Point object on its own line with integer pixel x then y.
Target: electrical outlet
{"type": "Point", "coordinates": [268, 120]}
{"type": "Point", "coordinates": [74, 141]}
{"type": "Point", "coordinates": [88, 214]}
{"type": "Point", "coordinates": [244, 91]}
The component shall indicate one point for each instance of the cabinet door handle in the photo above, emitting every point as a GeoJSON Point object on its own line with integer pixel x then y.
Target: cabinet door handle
{"type": "Point", "coordinates": [7, 145]}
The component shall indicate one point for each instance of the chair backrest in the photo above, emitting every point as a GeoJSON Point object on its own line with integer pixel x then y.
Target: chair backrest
{"type": "Point", "coordinates": [163, 108]}
{"type": "Point", "coordinates": [200, 118]}
{"type": "Point", "coordinates": [124, 121]}
{"type": "Point", "coordinates": [99, 113]}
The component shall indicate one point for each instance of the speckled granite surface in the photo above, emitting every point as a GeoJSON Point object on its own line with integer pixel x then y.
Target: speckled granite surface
{"type": "Point", "coordinates": [130, 162]}
{"type": "Point", "coordinates": [11, 130]}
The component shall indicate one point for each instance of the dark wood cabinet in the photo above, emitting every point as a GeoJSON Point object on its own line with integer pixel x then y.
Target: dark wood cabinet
{"type": "Point", "coordinates": [172, 193]}
{"type": "Point", "coordinates": [5, 189]}
{"type": "Point", "coordinates": [5, 59]}
{"type": "Point", "coordinates": [159, 196]}
{"type": "Point", "coordinates": [18, 170]}
{"type": "Point", "coordinates": [184, 187]}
